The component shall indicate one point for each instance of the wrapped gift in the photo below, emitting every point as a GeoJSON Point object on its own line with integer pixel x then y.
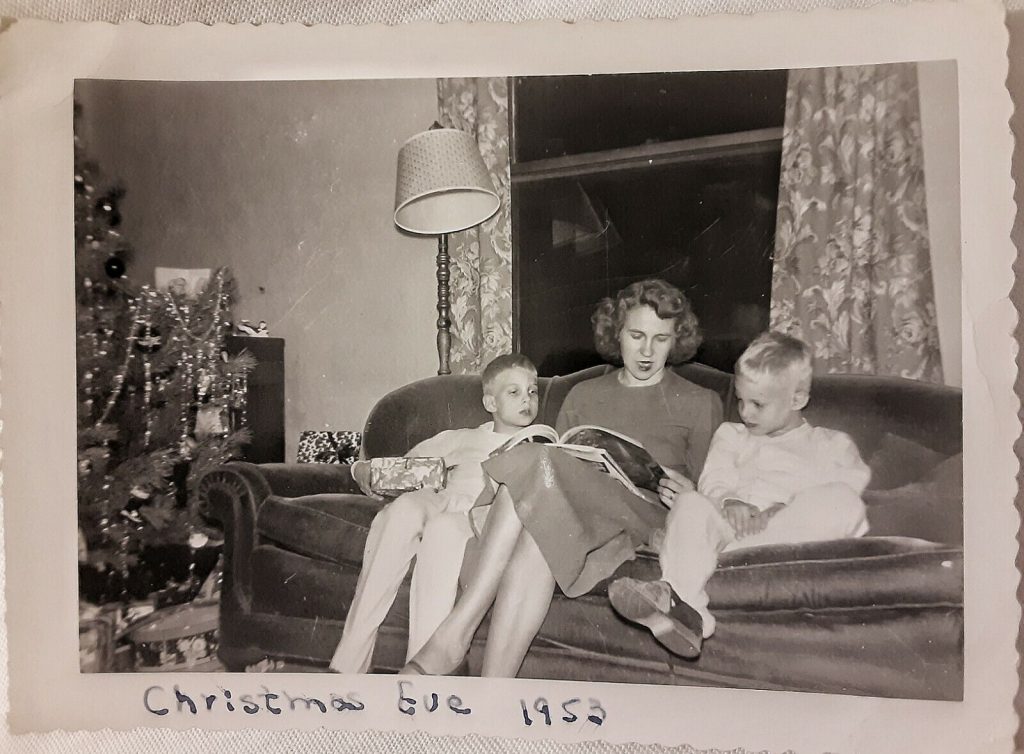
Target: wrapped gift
{"type": "Point", "coordinates": [393, 476]}
{"type": "Point", "coordinates": [183, 637]}
{"type": "Point", "coordinates": [325, 446]}
{"type": "Point", "coordinates": [135, 611]}
{"type": "Point", "coordinates": [95, 645]}
{"type": "Point", "coordinates": [99, 629]}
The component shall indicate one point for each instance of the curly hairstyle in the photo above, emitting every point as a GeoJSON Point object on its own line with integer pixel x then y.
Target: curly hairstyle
{"type": "Point", "coordinates": [667, 301]}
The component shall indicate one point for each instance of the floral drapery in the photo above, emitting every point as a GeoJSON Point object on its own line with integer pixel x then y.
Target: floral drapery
{"type": "Point", "coordinates": [852, 273]}
{"type": "Point", "coordinates": [481, 257]}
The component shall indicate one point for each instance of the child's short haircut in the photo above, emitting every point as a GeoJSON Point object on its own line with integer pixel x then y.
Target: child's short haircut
{"type": "Point", "coordinates": [774, 353]}
{"type": "Point", "coordinates": [503, 363]}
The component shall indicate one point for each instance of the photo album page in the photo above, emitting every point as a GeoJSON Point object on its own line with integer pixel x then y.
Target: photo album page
{"type": "Point", "coordinates": [639, 382]}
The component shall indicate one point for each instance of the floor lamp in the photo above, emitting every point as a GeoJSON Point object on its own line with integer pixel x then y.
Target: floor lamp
{"type": "Point", "coordinates": [442, 187]}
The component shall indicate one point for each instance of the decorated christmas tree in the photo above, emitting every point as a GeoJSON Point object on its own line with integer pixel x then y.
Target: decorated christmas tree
{"type": "Point", "coordinates": [159, 401]}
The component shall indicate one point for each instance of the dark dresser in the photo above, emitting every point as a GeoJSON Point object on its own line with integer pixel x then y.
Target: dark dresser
{"type": "Point", "coordinates": [265, 404]}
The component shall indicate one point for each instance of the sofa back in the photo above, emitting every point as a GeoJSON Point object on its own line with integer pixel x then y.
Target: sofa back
{"type": "Point", "coordinates": [416, 411]}
{"type": "Point", "coordinates": [872, 410]}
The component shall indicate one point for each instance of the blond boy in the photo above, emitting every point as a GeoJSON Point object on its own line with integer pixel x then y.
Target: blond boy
{"type": "Point", "coordinates": [770, 479]}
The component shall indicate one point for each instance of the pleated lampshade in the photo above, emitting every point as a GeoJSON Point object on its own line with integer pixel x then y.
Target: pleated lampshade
{"type": "Point", "coordinates": [443, 185]}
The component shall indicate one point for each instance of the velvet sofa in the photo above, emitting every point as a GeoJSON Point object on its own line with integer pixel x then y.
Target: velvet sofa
{"type": "Point", "coordinates": [879, 616]}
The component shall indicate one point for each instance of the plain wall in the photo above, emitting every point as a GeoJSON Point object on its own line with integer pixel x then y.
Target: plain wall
{"type": "Point", "coordinates": [940, 136]}
{"type": "Point", "coordinates": [290, 185]}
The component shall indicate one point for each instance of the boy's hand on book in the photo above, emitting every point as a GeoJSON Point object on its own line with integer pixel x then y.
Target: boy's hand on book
{"type": "Point", "coordinates": [672, 485]}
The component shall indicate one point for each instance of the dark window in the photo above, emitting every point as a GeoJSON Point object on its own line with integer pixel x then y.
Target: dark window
{"type": "Point", "coordinates": [620, 177]}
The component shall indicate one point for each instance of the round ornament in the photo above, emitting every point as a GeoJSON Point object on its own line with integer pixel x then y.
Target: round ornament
{"type": "Point", "coordinates": [114, 267]}
{"type": "Point", "coordinates": [107, 208]}
{"type": "Point", "coordinates": [149, 339]}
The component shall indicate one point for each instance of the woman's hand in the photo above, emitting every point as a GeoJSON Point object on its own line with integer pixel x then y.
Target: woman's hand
{"type": "Point", "coordinates": [672, 485]}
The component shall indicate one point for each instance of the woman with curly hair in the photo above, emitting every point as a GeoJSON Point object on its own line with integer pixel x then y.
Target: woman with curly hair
{"type": "Point", "coordinates": [555, 520]}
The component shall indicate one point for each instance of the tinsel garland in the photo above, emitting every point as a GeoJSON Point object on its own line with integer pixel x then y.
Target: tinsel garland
{"type": "Point", "coordinates": [159, 401]}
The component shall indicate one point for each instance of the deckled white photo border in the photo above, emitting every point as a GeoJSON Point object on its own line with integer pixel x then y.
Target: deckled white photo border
{"type": "Point", "coordinates": [39, 62]}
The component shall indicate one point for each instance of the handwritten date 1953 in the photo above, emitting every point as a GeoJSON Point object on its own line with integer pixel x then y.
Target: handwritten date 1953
{"type": "Point", "coordinates": [594, 714]}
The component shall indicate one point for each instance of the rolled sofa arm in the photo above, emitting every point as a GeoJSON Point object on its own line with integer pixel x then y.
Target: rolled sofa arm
{"type": "Point", "coordinates": [300, 479]}
{"type": "Point", "coordinates": [233, 493]}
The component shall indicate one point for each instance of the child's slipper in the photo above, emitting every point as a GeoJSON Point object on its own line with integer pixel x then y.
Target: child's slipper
{"type": "Point", "coordinates": [412, 667]}
{"type": "Point", "coordinates": [676, 625]}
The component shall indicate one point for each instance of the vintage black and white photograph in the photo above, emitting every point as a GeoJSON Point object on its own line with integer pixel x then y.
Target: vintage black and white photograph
{"type": "Point", "coordinates": [645, 378]}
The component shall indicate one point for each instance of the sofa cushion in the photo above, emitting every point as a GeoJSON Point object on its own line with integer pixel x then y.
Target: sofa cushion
{"type": "Point", "coordinates": [292, 584]}
{"type": "Point", "coordinates": [420, 410]}
{"type": "Point", "coordinates": [841, 573]}
{"type": "Point", "coordinates": [898, 461]}
{"type": "Point", "coordinates": [907, 652]}
{"type": "Point", "coordinates": [868, 407]}
{"type": "Point", "coordinates": [844, 573]}
{"type": "Point", "coordinates": [931, 508]}
{"type": "Point", "coordinates": [423, 408]}
{"type": "Point", "coordinates": [294, 480]}
{"type": "Point", "coordinates": [331, 527]}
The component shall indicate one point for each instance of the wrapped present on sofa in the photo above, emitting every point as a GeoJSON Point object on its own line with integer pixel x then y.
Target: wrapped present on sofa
{"type": "Point", "coordinates": [327, 446]}
{"type": "Point", "coordinates": [393, 476]}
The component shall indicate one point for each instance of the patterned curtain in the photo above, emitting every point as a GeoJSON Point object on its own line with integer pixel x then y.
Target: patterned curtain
{"type": "Point", "coordinates": [481, 257]}
{"type": "Point", "coordinates": [852, 273]}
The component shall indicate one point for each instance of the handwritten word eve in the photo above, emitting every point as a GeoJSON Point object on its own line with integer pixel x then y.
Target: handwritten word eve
{"type": "Point", "coordinates": [407, 704]}
{"type": "Point", "coordinates": [156, 698]}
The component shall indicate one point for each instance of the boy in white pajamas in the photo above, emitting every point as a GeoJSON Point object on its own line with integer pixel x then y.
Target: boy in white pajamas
{"type": "Point", "coordinates": [394, 539]}
{"type": "Point", "coordinates": [772, 479]}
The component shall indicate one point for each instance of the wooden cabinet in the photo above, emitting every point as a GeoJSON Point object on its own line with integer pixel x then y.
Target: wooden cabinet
{"type": "Point", "coordinates": [265, 404]}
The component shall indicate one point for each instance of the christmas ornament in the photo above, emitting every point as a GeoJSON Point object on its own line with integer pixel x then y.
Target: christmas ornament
{"type": "Point", "coordinates": [139, 493]}
{"type": "Point", "coordinates": [149, 339]}
{"type": "Point", "coordinates": [107, 207]}
{"type": "Point", "coordinates": [245, 327]}
{"type": "Point", "coordinates": [197, 539]}
{"type": "Point", "coordinates": [114, 267]}
{"type": "Point", "coordinates": [210, 422]}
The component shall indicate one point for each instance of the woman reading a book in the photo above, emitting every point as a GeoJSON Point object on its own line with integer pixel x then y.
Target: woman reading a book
{"type": "Point", "coordinates": [555, 520]}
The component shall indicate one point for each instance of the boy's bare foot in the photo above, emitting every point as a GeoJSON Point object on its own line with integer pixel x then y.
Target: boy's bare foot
{"type": "Point", "coordinates": [676, 625]}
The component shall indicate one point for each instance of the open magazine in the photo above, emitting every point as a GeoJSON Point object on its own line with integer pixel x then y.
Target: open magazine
{"type": "Point", "coordinates": [612, 452]}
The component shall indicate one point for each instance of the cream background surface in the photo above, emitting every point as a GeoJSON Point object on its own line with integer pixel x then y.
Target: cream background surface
{"type": "Point", "coordinates": [38, 66]}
